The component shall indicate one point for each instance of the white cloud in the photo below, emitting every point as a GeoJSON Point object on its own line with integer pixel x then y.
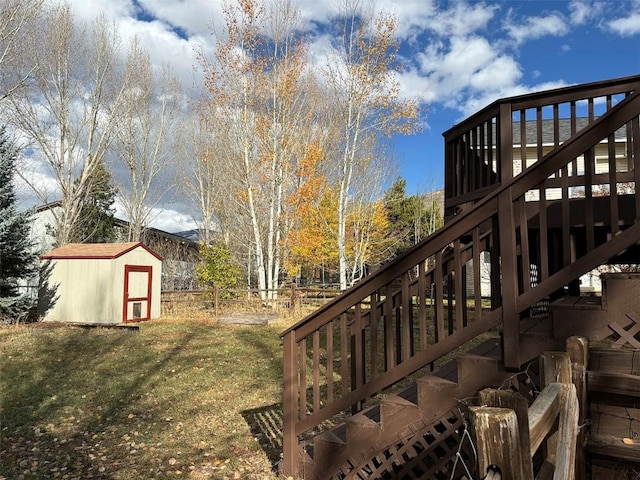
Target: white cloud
{"type": "Point", "coordinates": [466, 64]}
{"type": "Point", "coordinates": [173, 221]}
{"type": "Point", "coordinates": [580, 12]}
{"type": "Point", "coordinates": [111, 9]}
{"type": "Point", "coordinates": [194, 17]}
{"type": "Point", "coordinates": [626, 26]}
{"type": "Point", "coordinates": [164, 45]}
{"type": "Point", "coordinates": [463, 19]}
{"type": "Point", "coordinates": [536, 27]}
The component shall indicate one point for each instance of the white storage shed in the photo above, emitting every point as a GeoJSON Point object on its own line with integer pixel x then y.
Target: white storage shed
{"type": "Point", "coordinates": [103, 283]}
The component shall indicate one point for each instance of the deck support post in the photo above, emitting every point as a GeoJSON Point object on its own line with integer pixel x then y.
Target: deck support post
{"type": "Point", "coordinates": [290, 438]}
{"type": "Point", "coordinates": [509, 270]}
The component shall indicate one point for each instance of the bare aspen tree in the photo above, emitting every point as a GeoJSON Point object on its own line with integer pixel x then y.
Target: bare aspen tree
{"type": "Point", "coordinates": [360, 77]}
{"type": "Point", "coordinates": [143, 145]}
{"type": "Point", "coordinates": [201, 179]}
{"type": "Point", "coordinates": [69, 107]}
{"type": "Point", "coordinates": [15, 18]}
{"type": "Point", "coordinates": [258, 108]}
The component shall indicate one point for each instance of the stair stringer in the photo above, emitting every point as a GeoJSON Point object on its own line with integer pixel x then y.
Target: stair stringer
{"type": "Point", "coordinates": [430, 420]}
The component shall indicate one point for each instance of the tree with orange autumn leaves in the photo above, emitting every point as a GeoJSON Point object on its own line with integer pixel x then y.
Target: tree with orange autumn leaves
{"type": "Point", "coordinates": [261, 113]}
{"type": "Point", "coordinates": [361, 77]}
{"type": "Point", "coordinates": [296, 155]}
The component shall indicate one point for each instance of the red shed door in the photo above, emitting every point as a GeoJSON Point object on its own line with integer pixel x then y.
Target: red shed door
{"type": "Point", "coordinates": [137, 293]}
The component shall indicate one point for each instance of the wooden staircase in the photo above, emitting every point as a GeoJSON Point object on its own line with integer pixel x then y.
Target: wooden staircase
{"type": "Point", "coordinates": [360, 447]}
{"type": "Point", "coordinates": [388, 440]}
{"type": "Point", "coordinates": [539, 235]}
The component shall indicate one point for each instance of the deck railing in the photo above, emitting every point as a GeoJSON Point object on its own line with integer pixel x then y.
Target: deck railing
{"type": "Point", "coordinates": [405, 316]}
{"type": "Point", "coordinates": [505, 138]}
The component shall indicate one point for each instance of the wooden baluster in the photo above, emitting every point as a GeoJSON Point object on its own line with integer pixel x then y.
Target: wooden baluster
{"type": "Point", "coordinates": [422, 304]}
{"type": "Point", "coordinates": [388, 329]}
{"type": "Point", "coordinates": [316, 371]}
{"type": "Point", "coordinates": [505, 150]}
{"type": "Point", "coordinates": [477, 285]}
{"type": "Point", "coordinates": [589, 170]}
{"type": "Point", "coordinates": [574, 162]}
{"type": "Point", "coordinates": [485, 162]}
{"type": "Point", "coordinates": [407, 319]}
{"type": "Point", "coordinates": [635, 153]}
{"type": "Point", "coordinates": [329, 362]}
{"type": "Point", "coordinates": [302, 362]}
{"type": "Point", "coordinates": [375, 318]}
{"type": "Point", "coordinates": [344, 353]}
{"type": "Point", "coordinates": [458, 286]}
{"type": "Point", "coordinates": [613, 178]}
{"type": "Point", "coordinates": [523, 140]}
{"type": "Point", "coordinates": [542, 204]}
{"type": "Point", "coordinates": [359, 351]}
{"type": "Point", "coordinates": [524, 245]}
{"type": "Point", "coordinates": [439, 300]}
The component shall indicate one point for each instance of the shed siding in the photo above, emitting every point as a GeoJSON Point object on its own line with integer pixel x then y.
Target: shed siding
{"type": "Point", "coordinates": [89, 300]}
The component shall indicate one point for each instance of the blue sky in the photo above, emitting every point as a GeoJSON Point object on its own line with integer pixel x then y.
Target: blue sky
{"type": "Point", "coordinates": [460, 55]}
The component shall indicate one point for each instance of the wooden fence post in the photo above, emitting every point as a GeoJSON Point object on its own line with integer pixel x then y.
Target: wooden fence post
{"type": "Point", "coordinates": [516, 402]}
{"type": "Point", "coordinates": [578, 350]}
{"type": "Point", "coordinates": [497, 438]}
{"type": "Point", "coordinates": [216, 299]}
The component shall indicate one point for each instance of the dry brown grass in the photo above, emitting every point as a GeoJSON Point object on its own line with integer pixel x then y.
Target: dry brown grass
{"type": "Point", "coordinates": [183, 397]}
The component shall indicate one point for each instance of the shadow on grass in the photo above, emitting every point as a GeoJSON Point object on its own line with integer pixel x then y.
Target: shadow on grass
{"type": "Point", "coordinates": [266, 425]}
{"type": "Point", "coordinates": [48, 425]}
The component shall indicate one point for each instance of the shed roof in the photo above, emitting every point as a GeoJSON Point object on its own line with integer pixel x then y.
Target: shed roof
{"type": "Point", "coordinates": [95, 250]}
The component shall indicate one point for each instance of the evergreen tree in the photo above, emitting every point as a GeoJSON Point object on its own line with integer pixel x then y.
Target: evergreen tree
{"type": "Point", "coordinates": [411, 219]}
{"type": "Point", "coordinates": [17, 258]}
{"type": "Point", "coordinates": [95, 224]}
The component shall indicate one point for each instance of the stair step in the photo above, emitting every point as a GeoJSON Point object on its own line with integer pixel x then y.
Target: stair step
{"type": "Point", "coordinates": [622, 448]}
{"type": "Point", "coordinates": [327, 447]}
{"type": "Point", "coordinates": [577, 303]}
{"type": "Point", "coordinates": [397, 412]}
{"type": "Point", "coordinates": [362, 433]}
{"type": "Point", "coordinates": [436, 396]}
{"type": "Point", "coordinates": [615, 360]}
{"type": "Point", "coordinates": [476, 371]}
{"type": "Point", "coordinates": [616, 383]}
{"type": "Point", "coordinates": [615, 421]}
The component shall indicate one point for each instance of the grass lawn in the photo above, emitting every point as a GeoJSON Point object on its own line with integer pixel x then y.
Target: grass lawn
{"type": "Point", "coordinates": [178, 399]}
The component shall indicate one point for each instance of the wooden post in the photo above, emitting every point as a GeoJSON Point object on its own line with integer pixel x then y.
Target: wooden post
{"type": "Point", "coordinates": [554, 367]}
{"type": "Point", "coordinates": [510, 316]}
{"type": "Point", "coordinates": [516, 402]}
{"type": "Point", "coordinates": [578, 350]}
{"type": "Point", "coordinates": [496, 435]}
{"type": "Point", "coordinates": [565, 453]}
{"type": "Point", "coordinates": [290, 408]}
{"type": "Point", "coordinates": [216, 300]}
